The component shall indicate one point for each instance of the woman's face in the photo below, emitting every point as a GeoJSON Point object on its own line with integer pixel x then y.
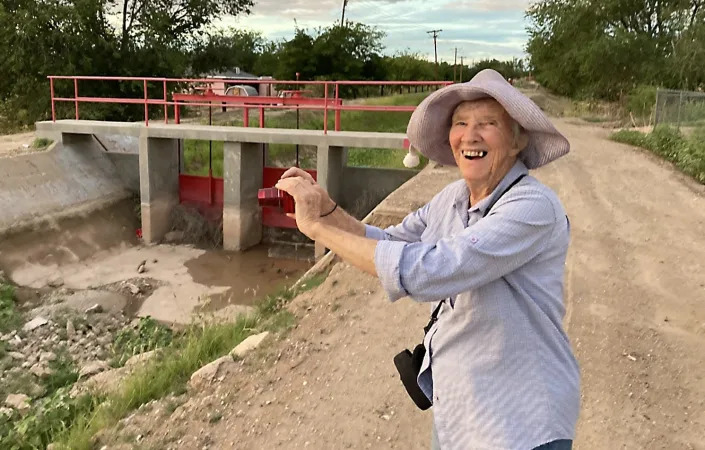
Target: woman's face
{"type": "Point", "coordinates": [483, 142]}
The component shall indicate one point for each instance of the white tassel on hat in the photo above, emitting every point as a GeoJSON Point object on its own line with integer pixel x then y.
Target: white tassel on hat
{"type": "Point", "coordinates": [412, 158]}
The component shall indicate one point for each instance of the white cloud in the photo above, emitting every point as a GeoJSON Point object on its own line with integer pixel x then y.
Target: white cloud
{"type": "Point", "coordinates": [479, 28]}
{"type": "Point", "coordinates": [488, 5]}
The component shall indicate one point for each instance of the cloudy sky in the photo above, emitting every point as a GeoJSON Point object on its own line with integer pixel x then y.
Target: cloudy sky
{"type": "Point", "coordinates": [478, 28]}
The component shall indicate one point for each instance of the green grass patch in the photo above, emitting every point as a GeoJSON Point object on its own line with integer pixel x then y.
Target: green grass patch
{"type": "Point", "coordinates": [686, 153]}
{"type": "Point", "coordinates": [64, 372]}
{"type": "Point", "coordinates": [170, 371]}
{"type": "Point", "coordinates": [146, 336]}
{"type": "Point", "coordinates": [10, 318]}
{"type": "Point", "coordinates": [48, 418]}
{"type": "Point", "coordinates": [41, 143]}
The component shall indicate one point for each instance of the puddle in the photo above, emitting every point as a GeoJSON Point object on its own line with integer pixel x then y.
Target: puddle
{"type": "Point", "coordinates": [249, 275]}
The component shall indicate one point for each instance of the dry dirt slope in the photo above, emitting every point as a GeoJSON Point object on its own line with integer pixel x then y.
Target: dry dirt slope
{"type": "Point", "coordinates": [635, 286]}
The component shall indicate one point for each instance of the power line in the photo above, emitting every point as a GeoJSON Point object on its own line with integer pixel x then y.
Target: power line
{"type": "Point", "coordinates": [435, 50]}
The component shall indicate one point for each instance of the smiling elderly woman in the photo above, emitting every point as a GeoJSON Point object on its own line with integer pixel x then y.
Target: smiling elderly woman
{"type": "Point", "coordinates": [488, 251]}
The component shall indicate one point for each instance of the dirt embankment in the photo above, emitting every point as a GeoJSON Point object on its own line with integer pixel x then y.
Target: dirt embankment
{"type": "Point", "coordinates": [635, 289]}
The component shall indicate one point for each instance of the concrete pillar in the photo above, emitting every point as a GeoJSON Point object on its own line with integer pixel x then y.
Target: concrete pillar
{"type": "Point", "coordinates": [330, 163]}
{"type": "Point", "coordinates": [242, 216]}
{"type": "Point", "coordinates": [159, 185]}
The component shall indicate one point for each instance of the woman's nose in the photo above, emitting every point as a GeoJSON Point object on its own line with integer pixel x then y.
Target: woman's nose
{"type": "Point", "coordinates": [472, 134]}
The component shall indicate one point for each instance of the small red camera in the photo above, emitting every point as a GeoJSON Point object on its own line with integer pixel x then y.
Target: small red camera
{"type": "Point", "coordinates": [277, 198]}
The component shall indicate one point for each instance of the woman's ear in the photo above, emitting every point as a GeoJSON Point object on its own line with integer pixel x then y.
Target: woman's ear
{"type": "Point", "coordinates": [521, 141]}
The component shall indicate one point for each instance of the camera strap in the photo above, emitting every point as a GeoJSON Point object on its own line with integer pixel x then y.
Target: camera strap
{"type": "Point", "coordinates": [434, 315]}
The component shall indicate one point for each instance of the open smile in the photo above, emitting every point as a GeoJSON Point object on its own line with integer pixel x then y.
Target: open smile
{"type": "Point", "coordinates": [474, 154]}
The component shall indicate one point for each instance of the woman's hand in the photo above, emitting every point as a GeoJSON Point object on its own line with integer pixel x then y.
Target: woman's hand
{"type": "Point", "coordinates": [308, 202]}
{"type": "Point", "coordinates": [327, 204]}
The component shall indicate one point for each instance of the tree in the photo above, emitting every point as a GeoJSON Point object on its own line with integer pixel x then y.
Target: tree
{"type": "Point", "coordinates": [604, 49]}
{"type": "Point", "coordinates": [170, 23]}
{"type": "Point", "coordinates": [226, 49]}
{"type": "Point", "coordinates": [57, 37]}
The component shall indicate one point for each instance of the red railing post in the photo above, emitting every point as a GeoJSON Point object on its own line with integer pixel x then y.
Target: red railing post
{"type": "Point", "coordinates": [325, 107]}
{"type": "Point", "coordinates": [246, 117]}
{"type": "Point", "coordinates": [261, 116]}
{"type": "Point", "coordinates": [337, 111]}
{"type": "Point", "coordinates": [75, 94]}
{"type": "Point", "coordinates": [146, 106]}
{"type": "Point", "coordinates": [53, 109]}
{"type": "Point", "coordinates": [166, 111]}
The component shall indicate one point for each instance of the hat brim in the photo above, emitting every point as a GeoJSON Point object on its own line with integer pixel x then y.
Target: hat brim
{"type": "Point", "coordinates": [430, 123]}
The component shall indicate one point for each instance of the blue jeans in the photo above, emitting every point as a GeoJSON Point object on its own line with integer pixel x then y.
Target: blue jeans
{"type": "Point", "coordinates": [563, 444]}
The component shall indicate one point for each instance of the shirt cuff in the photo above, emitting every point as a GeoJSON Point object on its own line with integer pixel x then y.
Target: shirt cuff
{"type": "Point", "coordinates": [375, 233]}
{"type": "Point", "coordinates": [387, 261]}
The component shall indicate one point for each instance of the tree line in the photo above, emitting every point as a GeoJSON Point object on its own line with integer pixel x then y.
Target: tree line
{"type": "Point", "coordinates": [607, 49]}
{"type": "Point", "coordinates": [172, 38]}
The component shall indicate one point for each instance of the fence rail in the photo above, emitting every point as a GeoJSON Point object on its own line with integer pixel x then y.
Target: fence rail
{"type": "Point", "coordinates": [679, 108]}
{"type": "Point", "coordinates": [330, 101]}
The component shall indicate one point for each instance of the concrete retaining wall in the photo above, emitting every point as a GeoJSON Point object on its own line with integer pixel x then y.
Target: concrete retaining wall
{"type": "Point", "coordinates": [364, 188]}
{"type": "Point", "coordinates": [72, 176]}
{"type": "Point", "coordinates": [127, 167]}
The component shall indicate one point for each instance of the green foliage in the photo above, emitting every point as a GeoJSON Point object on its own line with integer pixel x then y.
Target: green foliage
{"type": "Point", "coordinates": [687, 153]}
{"type": "Point", "coordinates": [64, 372]}
{"type": "Point", "coordinates": [10, 318]}
{"type": "Point", "coordinates": [605, 50]}
{"type": "Point", "coordinates": [40, 143]}
{"type": "Point", "coordinates": [152, 38]}
{"type": "Point", "coordinates": [147, 335]}
{"type": "Point", "coordinates": [197, 155]}
{"type": "Point", "coordinates": [45, 421]}
{"type": "Point", "coordinates": [641, 101]}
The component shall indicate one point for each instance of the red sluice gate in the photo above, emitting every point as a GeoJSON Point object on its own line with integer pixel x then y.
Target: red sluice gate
{"type": "Point", "coordinates": [205, 193]}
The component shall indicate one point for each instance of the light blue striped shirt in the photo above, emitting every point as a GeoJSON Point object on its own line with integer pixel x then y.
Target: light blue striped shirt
{"type": "Point", "coordinates": [499, 367]}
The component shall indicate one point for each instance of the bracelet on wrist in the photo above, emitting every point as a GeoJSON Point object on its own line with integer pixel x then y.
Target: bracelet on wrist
{"type": "Point", "coordinates": [331, 211]}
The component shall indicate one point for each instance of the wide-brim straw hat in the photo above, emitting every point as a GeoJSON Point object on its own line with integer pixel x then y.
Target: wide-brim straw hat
{"type": "Point", "coordinates": [430, 123]}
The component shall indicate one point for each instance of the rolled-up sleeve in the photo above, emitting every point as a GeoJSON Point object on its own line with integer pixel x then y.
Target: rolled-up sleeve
{"type": "Point", "coordinates": [517, 231]}
{"type": "Point", "coordinates": [375, 233]}
{"type": "Point", "coordinates": [388, 257]}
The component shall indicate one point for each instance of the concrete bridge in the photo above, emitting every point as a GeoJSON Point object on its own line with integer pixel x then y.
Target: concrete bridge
{"type": "Point", "coordinates": [159, 170]}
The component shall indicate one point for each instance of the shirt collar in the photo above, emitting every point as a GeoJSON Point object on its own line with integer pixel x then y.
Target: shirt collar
{"type": "Point", "coordinates": [463, 196]}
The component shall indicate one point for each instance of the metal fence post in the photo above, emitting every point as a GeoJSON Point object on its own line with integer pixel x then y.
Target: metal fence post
{"type": "Point", "coordinates": [656, 107]}
{"type": "Point", "coordinates": [680, 103]}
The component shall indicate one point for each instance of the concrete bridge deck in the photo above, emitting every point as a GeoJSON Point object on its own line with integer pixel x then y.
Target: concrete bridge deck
{"type": "Point", "coordinates": [227, 134]}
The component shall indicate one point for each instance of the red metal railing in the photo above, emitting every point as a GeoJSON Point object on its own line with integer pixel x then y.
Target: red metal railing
{"type": "Point", "coordinates": [209, 98]}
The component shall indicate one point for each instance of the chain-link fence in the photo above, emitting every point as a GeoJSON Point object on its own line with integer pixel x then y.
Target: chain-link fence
{"type": "Point", "coordinates": [680, 108]}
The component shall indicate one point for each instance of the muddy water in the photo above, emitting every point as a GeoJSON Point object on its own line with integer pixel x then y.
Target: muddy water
{"type": "Point", "coordinates": [100, 251]}
{"type": "Point", "coordinates": [249, 275]}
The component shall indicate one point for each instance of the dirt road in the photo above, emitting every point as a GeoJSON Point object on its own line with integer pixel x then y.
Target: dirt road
{"type": "Point", "coordinates": [635, 288]}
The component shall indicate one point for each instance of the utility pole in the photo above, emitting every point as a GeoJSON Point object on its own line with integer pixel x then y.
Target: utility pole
{"type": "Point", "coordinates": [455, 63]}
{"type": "Point", "coordinates": [461, 69]}
{"type": "Point", "coordinates": [435, 50]}
{"type": "Point", "coordinates": [342, 18]}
